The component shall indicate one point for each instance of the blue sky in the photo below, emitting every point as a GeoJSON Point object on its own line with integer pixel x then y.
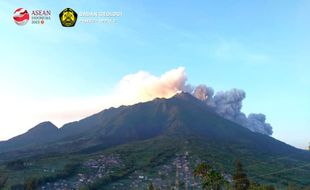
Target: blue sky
{"type": "Point", "coordinates": [259, 46]}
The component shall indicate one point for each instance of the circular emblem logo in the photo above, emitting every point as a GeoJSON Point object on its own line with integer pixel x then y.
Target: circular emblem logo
{"type": "Point", "coordinates": [68, 17]}
{"type": "Point", "coordinates": [21, 16]}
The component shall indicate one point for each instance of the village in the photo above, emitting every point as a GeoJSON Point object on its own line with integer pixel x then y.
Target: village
{"type": "Point", "coordinates": [94, 169]}
{"type": "Point", "coordinates": [174, 175]}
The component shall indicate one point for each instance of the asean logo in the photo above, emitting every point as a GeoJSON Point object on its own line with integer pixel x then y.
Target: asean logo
{"type": "Point", "coordinates": [21, 16]}
{"type": "Point", "coordinates": [68, 17]}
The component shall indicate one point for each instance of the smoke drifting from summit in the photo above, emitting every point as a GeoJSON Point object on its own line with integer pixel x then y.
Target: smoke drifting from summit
{"type": "Point", "coordinates": [131, 89]}
{"type": "Point", "coordinates": [143, 86]}
{"type": "Point", "coordinates": [228, 104]}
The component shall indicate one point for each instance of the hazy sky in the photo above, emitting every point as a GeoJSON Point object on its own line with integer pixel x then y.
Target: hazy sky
{"type": "Point", "coordinates": [61, 74]}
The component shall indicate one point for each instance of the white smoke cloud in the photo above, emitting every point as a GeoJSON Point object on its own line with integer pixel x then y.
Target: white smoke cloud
{"type": "Point", "coordinates": [143, 86]}
{"type": "Point", "coordinates": [20, 113]}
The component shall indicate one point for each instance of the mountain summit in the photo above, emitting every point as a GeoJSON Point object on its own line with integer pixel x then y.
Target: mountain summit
{"type": "Point", "coordinates": [157, 131]}
{"type": "Point", "coordinates": [182, 115]}
{"type": "Point", "coordinates": [42, 133]}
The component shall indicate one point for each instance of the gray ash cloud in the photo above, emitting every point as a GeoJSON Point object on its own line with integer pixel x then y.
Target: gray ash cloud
{"type": "Point", "coordinates": [228, 104]}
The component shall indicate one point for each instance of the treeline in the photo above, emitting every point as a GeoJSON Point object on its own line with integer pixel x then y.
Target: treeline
{"type": "Point", "coordinates": [3, 180]}
{"type": "Point", "coordinates": [16, 165]}
{"type": "Point", "coordinates": [212, 179]}
{"type": "Point", "coordinates": [33, 183]}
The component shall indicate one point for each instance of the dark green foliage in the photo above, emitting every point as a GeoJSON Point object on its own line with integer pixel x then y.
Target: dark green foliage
{"type": "Point", "coordinates": [256, 186]}
{"type": "Point", "coordinates": [18, 187]}
{"type": "Point", "coordinates": [151, 187]}
{"type": "Point", "coordinates": [211, 179]}
{"type": "Point", "coordinates": [241, 181]}
{"type": "Point", "coordinates": [31, 184]}
{"type": "Point", "coordinates": [16, 165]}
{"type": "Point", "coordinates": [202, 169]}
{"type": "Point", "coordinates": [270, 187]}
{"type": "Point", "coordinates": [291, 187]}
{"type": "Point", "coordinates": [3, 180]}
{"type": "Point", "coordinates": [34, 182]}
{"type": "Point", "coordinates": [69, 170]}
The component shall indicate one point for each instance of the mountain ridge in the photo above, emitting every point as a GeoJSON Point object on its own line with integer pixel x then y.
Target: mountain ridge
{"type": "Point", "coordinates": [156, 132]}
{"type": "Point", "coordinates": [42, 133]}
{"type": "Point", "coordinates": [181, 114]}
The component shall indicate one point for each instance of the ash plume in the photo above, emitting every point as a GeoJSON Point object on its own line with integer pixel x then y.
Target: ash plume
{"type": "Point", "coordinates": [143, 86]}
{"type": "Point", "coordinates": [133, 88]}
{"type": "Point", "coordinates": [228, 104]}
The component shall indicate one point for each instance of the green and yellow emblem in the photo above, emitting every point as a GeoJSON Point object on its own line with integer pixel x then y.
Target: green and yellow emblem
{"type": "Point", "coordinates": [68, 17]}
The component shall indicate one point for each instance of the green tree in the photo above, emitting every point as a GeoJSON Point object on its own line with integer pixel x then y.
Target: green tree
{"type": "Point", "coordinates": [211, 179]}
{"type": "Point", "coordinates": [18, 187]}
{"type": "Point", "coordinates": [151, 187]}
{"type": "Point", "coordinates": [291, 187]}
{"type": "Point", "coordinates": [306, 188]}
{"type": "Point", "coordinates": [270, 187]}
{"type": "Point", "coordinates": [16, 165]}
{"type": "Point", "coordinates": [3, 181]}
{"type": "Point", "coordinates": [241, 181]}
{"type": "Point", "coordinates": [31, 184]}
{"type": "Point", "coordinates": [256, 186]}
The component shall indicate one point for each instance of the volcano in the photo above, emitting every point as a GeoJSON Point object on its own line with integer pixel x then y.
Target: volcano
{"type": "Point", "coordinates": [167, 126]}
